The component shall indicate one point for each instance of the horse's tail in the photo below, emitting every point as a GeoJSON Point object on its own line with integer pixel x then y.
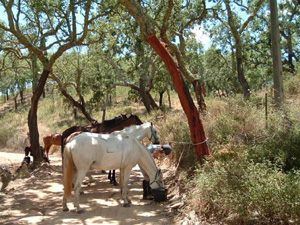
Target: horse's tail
{"type": "Point", "coordinates": [68, 173]}
{"type": "Point", "coordinates": [62, 146]}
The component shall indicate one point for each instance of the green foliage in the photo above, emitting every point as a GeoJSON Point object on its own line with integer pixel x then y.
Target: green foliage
{"type": "Point", "coordinates": [281, 148]}
{"type": "Point", "coordinates": [245, 192]}
{"type": "Point", "coordinates": [291, 86]}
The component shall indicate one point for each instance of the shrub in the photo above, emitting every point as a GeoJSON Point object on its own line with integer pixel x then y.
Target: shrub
{"type": "Point", "coordinates": [281, 148]}
{"type": "Point", "coordinates": [174, 130]}
{"type": "Point", "coordinates": [247, 193]}
{"type": "Point", "coordinates": [233, 121]}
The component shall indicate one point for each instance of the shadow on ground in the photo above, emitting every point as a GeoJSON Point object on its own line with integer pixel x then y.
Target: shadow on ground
{"type": "Point", "coordinates": [38, 200]}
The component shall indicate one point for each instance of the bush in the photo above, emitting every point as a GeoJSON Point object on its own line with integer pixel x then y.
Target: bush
{"type": "Point", "coordinates": [233, 121]}
{"type": "Point", "coordinates": [282, 149]}
{"type": "Point", "coordinates": [174, 130]}
{"type": "Point", "coordinates": [291, 85]}
{"type": "Point", "coordinates": [243, 192]}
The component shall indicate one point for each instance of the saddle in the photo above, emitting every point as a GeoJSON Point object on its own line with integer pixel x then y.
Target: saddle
{"type": "Point", "coordinates": [119, 145]}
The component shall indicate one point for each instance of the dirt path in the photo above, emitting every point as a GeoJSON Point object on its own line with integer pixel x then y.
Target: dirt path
{"type": "Point", "coordinates": [38, 199]}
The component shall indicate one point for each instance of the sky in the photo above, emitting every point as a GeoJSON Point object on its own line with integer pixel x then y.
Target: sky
{"type": "Point", "coordinates": [202, 36]}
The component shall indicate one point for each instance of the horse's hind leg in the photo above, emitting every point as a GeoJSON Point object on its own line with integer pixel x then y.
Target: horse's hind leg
{"type": "Point", "coordinates": [65, 207]}
{"type": "Point", "coordinates": [77, 187]}
{"type": "Point", "coordinates": [124, 177]}
{"type": "Point", "coordinates": [46, 149]}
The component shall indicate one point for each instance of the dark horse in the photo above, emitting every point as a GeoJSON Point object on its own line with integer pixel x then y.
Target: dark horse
{"type": "Point", "coordinates": [106, 127]}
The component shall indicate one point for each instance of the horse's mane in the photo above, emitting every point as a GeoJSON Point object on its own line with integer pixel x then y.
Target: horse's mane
{"type": "Point", "coordinates": [131, 117]}
{"type": "Point", "coordinates": [114, 120]}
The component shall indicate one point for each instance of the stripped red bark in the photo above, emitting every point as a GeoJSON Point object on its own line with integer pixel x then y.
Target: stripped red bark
{"type": "Point", "coordinates": [195, 124]}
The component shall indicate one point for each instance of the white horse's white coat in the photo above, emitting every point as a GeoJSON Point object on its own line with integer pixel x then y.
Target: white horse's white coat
{"type": "Point", "coordinates": [145, 130]}
{"type": "Point", "coordinates": [140, 132]}
{"type": "Point", "coordinates": [106, 152]}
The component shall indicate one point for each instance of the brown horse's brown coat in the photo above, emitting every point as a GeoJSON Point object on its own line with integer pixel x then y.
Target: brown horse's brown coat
{"type": "Point", "coordinates": [49, 140]}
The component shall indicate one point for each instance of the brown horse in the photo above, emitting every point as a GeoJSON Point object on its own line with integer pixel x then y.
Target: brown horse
{"type": "Point", "coordinates": [49, 140]}
{"type": "Point", "coordinates": [95, 127]}
{"type": "Point", "coordinates": [106, 127]}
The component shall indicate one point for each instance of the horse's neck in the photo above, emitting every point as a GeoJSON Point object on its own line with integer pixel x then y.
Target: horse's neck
{"type": "Point", "coordinates": [137, 131]}
{"type": "Point", "coordinates": [147, 162]}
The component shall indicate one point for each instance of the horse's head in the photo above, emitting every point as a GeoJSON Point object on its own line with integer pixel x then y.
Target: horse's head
{"type": "Point", "coordinates": [158, 180]}
{"type": "Point", "coordinates": [158, 188]}
{"type": "Point", "coordinates": [154, 137]}
{"type": "Point", "coordinates": [135, 120]}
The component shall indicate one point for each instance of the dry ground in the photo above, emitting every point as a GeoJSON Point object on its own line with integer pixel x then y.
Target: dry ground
{"type": "Point", "coordinates": [38, 199]}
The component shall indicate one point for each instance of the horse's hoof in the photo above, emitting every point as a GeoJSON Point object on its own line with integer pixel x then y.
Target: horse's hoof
{"type": "Point", "coordinates": [65, 209]}
{"type": "Point", "coordinates": [80, 211]}
{"type": "Point", "coordinates": [126, 205]}
{"type": "Point", "coordinates": [115, 183]}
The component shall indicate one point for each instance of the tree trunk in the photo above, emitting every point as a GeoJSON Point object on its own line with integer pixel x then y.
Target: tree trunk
{"type": "Point", "coordinates": [199, 96]}
{"type": "Point", "coordinates": [240, 70]}
{"type": "Point", "coordinates": [103, 114]}
{"type": "Point", "coordinates": [22, 96]}
{"type": "Point", "coordinates": [7, 95]}
{"type": "Point", "coordinates": [151, 100]}
{"type": "Point", "coordinates": [144, 97]}
{"type": "Point", "coordinates": [169, 99]}
{"type": "Point", "coordinates": [16, 102]}
{"type": "Point", "coordinates": [276, 55]}
{"type": "Point", "coordinates": [32, 118]}
{"type": "Point", "coordinates": [79, 106]}
{"type": "Point", "coordinates": [35, 71]}
{"type": "Point", "coordinates": [290, 52]}
{"type": "Point", "coordinates": [161, 95]}
{"type": "Point", "coordinates": [147, 29]}
{"type": "Point", "coordinates": [195, 124]}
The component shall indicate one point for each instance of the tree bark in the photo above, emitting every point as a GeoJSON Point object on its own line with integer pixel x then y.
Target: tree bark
{"type": "Point", "coordinates": [240, 70]}
{"type": "Point", "coordinates": [35, 71]}
{"type": "Point", "coordinates": [144, 97]}
{"type": "Point", "coordinates": [195, 124]}
{"type": "Point", "coordinates": [276, 55]}
{"type": "Point", "coordinates": [76, 104]}
{"type": "Point", "coordinates": [161, 95]}
{"type": "Point", "coordinates": [32, 117]}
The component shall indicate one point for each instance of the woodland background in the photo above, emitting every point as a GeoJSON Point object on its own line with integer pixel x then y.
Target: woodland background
{"type": "Point", "coordinates": [91, 60]}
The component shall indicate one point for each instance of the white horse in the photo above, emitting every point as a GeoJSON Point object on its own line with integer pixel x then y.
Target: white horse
{"type": "Point", "coordinates": [145, 130]}
{"type": "Point", "coordinates": [140, 132]}
{"type": "Point", "coordinates": [106, 152]}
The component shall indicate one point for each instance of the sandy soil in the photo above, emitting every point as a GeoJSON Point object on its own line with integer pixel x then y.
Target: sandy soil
{"type": "Point", "coordinates": [38, 199]}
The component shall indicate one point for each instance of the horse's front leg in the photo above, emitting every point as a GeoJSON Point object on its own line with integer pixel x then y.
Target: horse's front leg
{"type": "Point", "coordinates": [124, 177]}
{"type": "Point", "coordinates": [114, 178]}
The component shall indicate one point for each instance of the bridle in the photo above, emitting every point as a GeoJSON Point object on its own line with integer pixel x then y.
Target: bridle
{"type": "Point", "coordinates": [156, 179]}
{"type": "Point", "coordinates": [156, 140]}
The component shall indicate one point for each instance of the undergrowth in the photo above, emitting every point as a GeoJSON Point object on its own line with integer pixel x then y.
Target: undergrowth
{"type": "Point", "coordinates": [255, 175]}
